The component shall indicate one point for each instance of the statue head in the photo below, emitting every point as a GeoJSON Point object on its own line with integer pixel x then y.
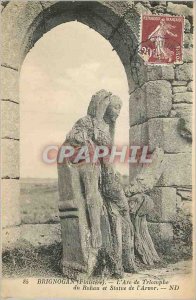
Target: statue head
{"type": "Point", "coordinates": [105, 105]}
{"type": "Point", "coordinates": [113, 109]}
{"type": "Point", "coordinates": [98, 103]}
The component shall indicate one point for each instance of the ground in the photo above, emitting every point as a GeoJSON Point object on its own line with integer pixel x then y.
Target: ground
{"type": "Point", "coordinates": [29, 261]}
{"type": "Point", "coordinates": [40, 251]}
{"type": "Point", "coordinates": [39, 201]}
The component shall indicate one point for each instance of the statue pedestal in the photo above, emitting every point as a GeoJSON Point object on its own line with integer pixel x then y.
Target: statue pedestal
{"type": "Point", "coordinates": [73, 257]}
{"type": "Point", "coordinates": [78, 254]}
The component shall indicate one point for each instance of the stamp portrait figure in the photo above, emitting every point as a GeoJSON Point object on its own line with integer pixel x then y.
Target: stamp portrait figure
{"type": "Point", "coordinates": [158, 36]}
{"type": "Point", "coordinates": [161, 39]}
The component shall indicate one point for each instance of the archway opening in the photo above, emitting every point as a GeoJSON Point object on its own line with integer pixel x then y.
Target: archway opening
{"type": "Point", "coordinates": [58, 77]}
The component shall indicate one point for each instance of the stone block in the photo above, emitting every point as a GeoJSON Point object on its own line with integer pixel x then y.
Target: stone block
{"type": "Point", "coordinates": [138, 70]}
{"type": "Point", "coordinates": [20, 23]}
{"type": "Point", "coordinates": [126, 38]}
{"type": "Point", "coordinates": [153, 99]}
{"type": "Point", "coordinates": [160, 72]}
{"type": "Point", "coordinates": [138, 135]}
{"type": "Point", "coordinates": [185, 194]}
{"type": "Point", "coordinates": [159, 98]}
{"type": "Point", "coordinates": [167, 72]}
{"type": "Point", "coordinates": [190, 86]}
{"type": "Point", "coordinates": [72, 243]}
{"type": "Point", "coordinates": [119, 8]}
{"type": "Point", "coordinates": [161, 232]}
{"type": "Point", "coordinates": [163, 132]}
{"type": "Point", "coordinates": [187, 55]}
{"type": "Point", "coordinates": [184, 112]}
{"type": "Point", "coordinates": [179, 83]}
{"type": "Point", "coordinates": [184, 207]}
{"type": "Point", "coordinates": [111, 11]}
{"type": "Point", "coordinates": [10, 158]}
{"type": "Point", "coordinates": [179, 89]}
{"type": "Point", "coordinates": [121, 48]}
{"type": "Point", "coordinates": [184, 72]}
{"type": "Point", "coordinates": [41, 234]}
{"type": "Point", "coordinates": [179, 9]}
{"type": "Point", "coordinates": [188, 40]}
{"type": "Point", "coordinates": [147, 4]}
{"type": "Point", "coordinates": [94, 21]}
{"type": "Point", "coordinates": [10, 202]}
{"type": "Point", "coordinates": [137, 107]}
{"type": "Point", "coordinates": [178, 202]}
{"type": "Point", "coordinates": [187, 26]}
{"type": "Point", "coordinates": [159, 9]}
{"type": "Point", "coordinates": [9, 84]}
{"type": "Point", "coordinates": [187, 208]}
{"type": "Point", "coordinates": [162, 3]}
{"type": "Point", "coordinates": [141, 9]}
{"type": "Point", "coordinates": [164, 200]}
{"type": "Point", "coordinates": [64, 11]}
{"type": "Point", "coordinates": [156, 133]}
{"type": "Point", "coordinates": [177, 170]}
{"type": "Point", "coordinates": [186, 97]}
{"type": "Point", "coordinates": [132, 21]}
{"type": "Point", "coordinates": [10, 237]}
{"type": "Point", "coordinates": [10, 120]}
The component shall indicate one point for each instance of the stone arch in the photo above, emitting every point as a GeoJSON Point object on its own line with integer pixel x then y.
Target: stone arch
{"type": "Point", "coordinates": [116, 22]}
{"type": "Point", "coordinates": [23, 23]}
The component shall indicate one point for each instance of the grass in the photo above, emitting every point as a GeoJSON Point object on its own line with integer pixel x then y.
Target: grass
{"type": "Point", "coordinates": [44, 261]}
{"type": "Point", "coordinates": [39, 205]}
{"type": "Point", "coordinates": [39, 201]}
{"type": "Point", "coordinates": [29, 261]}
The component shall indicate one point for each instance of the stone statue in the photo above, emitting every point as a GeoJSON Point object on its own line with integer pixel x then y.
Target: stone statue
{"type": "Point", "coordinates": [95, 213]}
{"type": "Point", "coordinates": [81, 193]}
{"type": "Point", "coordinates": [83, 133]}
{"type": "Point", "coordinates": [122, 232]}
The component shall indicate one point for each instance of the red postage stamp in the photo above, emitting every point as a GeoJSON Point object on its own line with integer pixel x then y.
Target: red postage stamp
{"type": "Point", "coordinates": [161, 39]}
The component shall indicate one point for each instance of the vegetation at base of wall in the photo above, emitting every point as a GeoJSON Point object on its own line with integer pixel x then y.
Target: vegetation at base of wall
{"type": "Point", "coordinates": [44, 261]}
{"type": "Point", "coordinates": [183, 228]}
{"type": "Point", "coordinates": [26, 260]}
{"type": "Point", "coordinates": [181, 246]}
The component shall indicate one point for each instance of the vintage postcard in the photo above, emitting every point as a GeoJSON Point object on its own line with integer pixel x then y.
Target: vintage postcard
{"type": "Point", "coordinates": [97, 188]}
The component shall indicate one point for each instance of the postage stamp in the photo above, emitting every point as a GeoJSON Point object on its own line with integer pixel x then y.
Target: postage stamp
{"type": "Point", "coordinates": [161, 39]}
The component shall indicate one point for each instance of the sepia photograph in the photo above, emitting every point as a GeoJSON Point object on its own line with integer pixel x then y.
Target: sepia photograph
{"type": "Point", "coordinates": [97, 149]}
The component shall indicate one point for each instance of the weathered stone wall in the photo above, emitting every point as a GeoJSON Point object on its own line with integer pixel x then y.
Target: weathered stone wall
{"type": "Point", "coordinates": [23, 23]}
{"type": "Point", "coordinates": [160, 96]}
{"type": "Point", "coordinates": [160, 115]}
